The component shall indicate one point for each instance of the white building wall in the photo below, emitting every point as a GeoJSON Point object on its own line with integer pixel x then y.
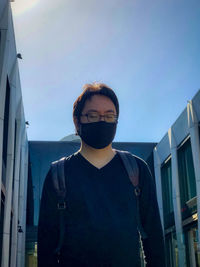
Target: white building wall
{"type": "Point", "coordinates": [193, 125]}
{"type": "Point", "coordinates": [187, 125]}
{"type": "Point", "coordinates": [157, 168]}
{"type": "Point", "coordinates": [17, 147]}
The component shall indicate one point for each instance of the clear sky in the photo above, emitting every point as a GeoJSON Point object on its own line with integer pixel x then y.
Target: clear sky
{"type": "Point", "coordinates": [148, 51]}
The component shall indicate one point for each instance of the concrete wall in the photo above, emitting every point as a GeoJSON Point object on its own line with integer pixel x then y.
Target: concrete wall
{"type": "Point", "coordinates": [14, 188]}
{"type": "Point", "coordinates": [186, 126]}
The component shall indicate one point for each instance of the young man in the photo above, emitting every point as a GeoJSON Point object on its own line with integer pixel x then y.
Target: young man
{"type": "Point", "coordinates": [100, 218]}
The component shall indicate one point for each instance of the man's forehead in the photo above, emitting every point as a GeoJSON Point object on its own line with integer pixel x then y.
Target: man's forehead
{"type": "Point", "coordinates": [99, 103]}
{"type": "Point", "coordinates": [99, 99]}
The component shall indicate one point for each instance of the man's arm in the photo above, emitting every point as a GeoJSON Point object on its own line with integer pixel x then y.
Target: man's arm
{"type": "Point", "coordinates": [154, 243]}
{"type": "Point", "coordinates": [48, 226]}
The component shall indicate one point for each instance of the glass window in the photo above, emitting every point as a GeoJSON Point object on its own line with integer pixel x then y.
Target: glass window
{"type": "Point", "coordinates": [30, 200]}
{"type": "Point", "coordinates": [191, 241]}
{"type": "Point", "coordinates": [166, 174]}
{"type": "Point", "coordinates": [1, 223]}
{"type": "Point", "coordinates": [186, 173]}
{"type": "Point", "coordinates": [175, 249]}
{"type": "Point", "coordinates": [31, 254]}
{"type": "Point", "coordinates": [171, 250]}
{"type": "Point", "coordinates": [5, 131]}
{"type": "Point", "coordinates": [15, 144]}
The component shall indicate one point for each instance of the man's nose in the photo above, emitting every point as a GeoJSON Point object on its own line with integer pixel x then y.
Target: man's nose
{"type": "Point", "coordinates": [101, 116]}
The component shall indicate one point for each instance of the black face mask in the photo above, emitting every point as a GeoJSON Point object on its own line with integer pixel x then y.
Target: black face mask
{"type": "Point", "coordinates": [97, 134]}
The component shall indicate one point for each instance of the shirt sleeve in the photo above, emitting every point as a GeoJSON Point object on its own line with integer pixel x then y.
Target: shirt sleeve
{"type": "Point", "coordinates": [153, 245]}
{"type": "Point", "coordinates": [48, 226]}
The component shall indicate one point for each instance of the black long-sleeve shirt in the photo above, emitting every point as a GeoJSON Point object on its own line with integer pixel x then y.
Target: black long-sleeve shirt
{"type": "Point", "coordinates": [101, 226]}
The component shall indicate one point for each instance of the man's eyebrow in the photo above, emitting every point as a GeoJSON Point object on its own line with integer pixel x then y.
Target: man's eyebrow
{"type": "Point", "coordinates": [110, 110]}
{"type": "Point", "coordinates": [94, 110]}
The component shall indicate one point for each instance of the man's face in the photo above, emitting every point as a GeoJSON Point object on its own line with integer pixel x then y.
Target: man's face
{"type": "Point", "coordinates": [98, 104]}
{"type": "Point", "coordinates": [98, 122]}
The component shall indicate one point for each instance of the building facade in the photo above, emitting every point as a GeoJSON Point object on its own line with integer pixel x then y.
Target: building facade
{"type": "Point", "coordinates": [175, 161]}
{"type": "Point", "coordinates": [177, 173]}
{"type": "Point", "coordinates": [13, 148]}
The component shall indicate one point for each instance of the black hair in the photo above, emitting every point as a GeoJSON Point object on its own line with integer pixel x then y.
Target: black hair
{"type": "Point", "coordinates": [91, 90]}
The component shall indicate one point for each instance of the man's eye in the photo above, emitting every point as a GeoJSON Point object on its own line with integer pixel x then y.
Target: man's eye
{"type": "Point", "coordinates": [110, 116]}
{"type": "Point", "coordinates": [92, 116]}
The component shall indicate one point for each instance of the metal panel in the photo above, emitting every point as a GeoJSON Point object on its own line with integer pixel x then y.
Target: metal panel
{"type": "Point", "coordinates": [180, 127]}
{"type": "Point", "coordinates": [163, 148]}
{"type": "Point", "coordinates": [196, 104]}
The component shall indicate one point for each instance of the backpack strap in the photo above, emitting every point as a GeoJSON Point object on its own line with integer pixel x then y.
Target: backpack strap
{"type": "Point", "coordinates": [132, 169]}
{"type": "Point", "coordinates": [131, 166]}
{"type": "Point", "coordinates": [58, 179]}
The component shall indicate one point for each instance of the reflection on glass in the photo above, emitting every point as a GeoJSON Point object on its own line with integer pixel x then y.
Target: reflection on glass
{"type": "Point", "coordinates": [31, 254]}
{"type": "Point", "coordinates": [191, 244]}
{"type": "Point", "coordinates": [186, 173]}
{"type": "Point", "coordinates": [175, 245]}
{"type": "Point", "coordinates": [168, 211]}
{"type": "Point", "coordinates": [171, 250]}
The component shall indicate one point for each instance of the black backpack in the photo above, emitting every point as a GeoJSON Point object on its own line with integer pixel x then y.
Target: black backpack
{"type": "Point", "coordinates": [58, 177]}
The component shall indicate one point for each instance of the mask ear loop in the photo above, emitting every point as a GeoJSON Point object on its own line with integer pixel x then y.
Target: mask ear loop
{"type": "Point", "coordinates": [78, 131]}
{"type": "Point", "coordinates": [77, 127]}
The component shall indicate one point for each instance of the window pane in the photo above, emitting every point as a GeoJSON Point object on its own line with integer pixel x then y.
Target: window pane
{"type": "Point", "coordinates": [166, 175]}
{"type": "Point", "coordinates": [186, 173]}
{"type": "Point", "coordinates": [169, 250]}
{"type": "Point", "coordinates": [175, 249]}
{"type": "Point", "coordinates": [191, 241]}
{"type": "Point", "coordinates": [5, 131]}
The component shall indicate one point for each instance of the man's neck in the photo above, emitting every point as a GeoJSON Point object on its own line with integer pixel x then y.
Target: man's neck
{"type": "Point", "coordinates": [97, 157]}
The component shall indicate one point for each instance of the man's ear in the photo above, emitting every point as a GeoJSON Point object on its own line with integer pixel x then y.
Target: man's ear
{"type": "Point", "coordinates": [76, 124]}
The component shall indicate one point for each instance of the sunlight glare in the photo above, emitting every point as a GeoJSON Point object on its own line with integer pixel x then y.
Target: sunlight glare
{"type": "Point", "coordinates": [21, 6]}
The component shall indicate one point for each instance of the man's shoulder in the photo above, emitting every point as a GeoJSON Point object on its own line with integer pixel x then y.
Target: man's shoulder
{"type": "Point", "coordinates": [142, 165]}
{"type": "Point", "coordinates": [139, 160]}
{"type": "Point", "coordinates": [65, 158]}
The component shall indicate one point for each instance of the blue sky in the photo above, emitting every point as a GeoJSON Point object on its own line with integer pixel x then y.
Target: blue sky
{"type": "Point", "coordinates": [147, 51]}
